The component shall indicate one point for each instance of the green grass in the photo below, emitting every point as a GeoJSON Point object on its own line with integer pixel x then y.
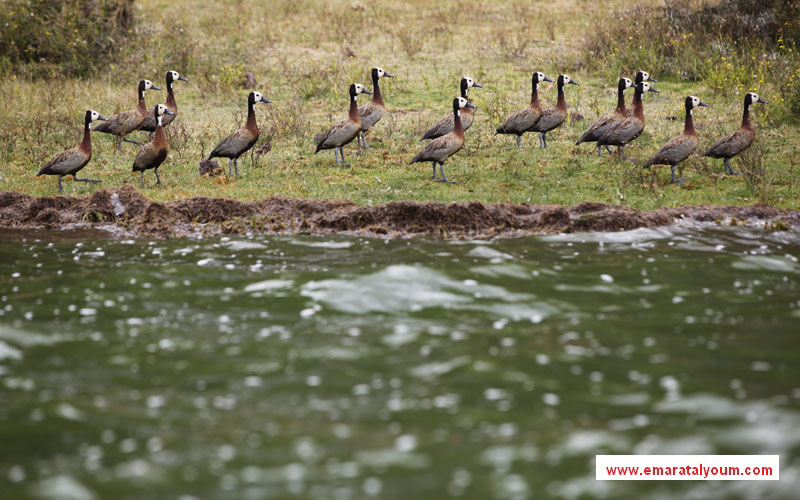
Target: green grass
{"type": "Point", "coordinates": [297, 52]}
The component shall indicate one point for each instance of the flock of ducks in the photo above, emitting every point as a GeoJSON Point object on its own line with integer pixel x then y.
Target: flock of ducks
{"type": "Point", "coordinates": [619, 128]}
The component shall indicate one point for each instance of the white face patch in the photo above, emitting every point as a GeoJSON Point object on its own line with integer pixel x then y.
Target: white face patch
{"type": "Point", "coordinates": [539, 76]}
{"type": "Point", "coordinates": [645, 75]}
{"type": "Point", "coordinates": [753, 97]}
{"type": "Point", "coordinates": [148, 84]}
{"type": "Point", "coordinates": [645, 87]}
{"type": "Point", "coordinates": [470, 81]}
{"type": "Point", "coordinates": [359, 88]}
{"type": "Point", "coordinates": [566, 78]}
{"type": "Point", "coordinates": [628, 83]}
{"type": "Point", "coordinates": [381, 72]}
{"type": "Point", "coordinates": [257, 96]}
{"type": "Point", "coordinates": [462, 103]}
{"type": "Point", "coordinates": [175, 75]}
{"type": "Point", "coordinates": [161, 109]}
{"type": "Point", "coordinates": [95, 115]}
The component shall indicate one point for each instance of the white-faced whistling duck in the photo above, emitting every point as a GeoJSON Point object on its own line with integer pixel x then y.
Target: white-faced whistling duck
{"type": "Point", "coordinates": [641, 76]}
{"type": "Point", "coordinates": [72, 160]}
{"type": "Point", "coordinates": [445, 125]}
{"type": "Point", "coordinates": [126, 122]}
{"type": "Point", "coordinates": [239, 142]}
{"type": "Point", "coordinates": [626, 131]}
{"type": "Point", "coordinates": [680, 147]}
{"type": "Point", "coordinates": [599, 127]}
{"type": "Point", "coordinates": [373, 111]}
{"type": "Point", "coordinates": [522, 120]}
{"type": "Point", "coordinates": [149, 124]}
{"type": "Point", "coordinates": [442, 148]}
{"type": "Point", "coordinates": [346, 130]}
{"type": "Point", "coordinates": [736, 142]}
{"type": "Point", "coordinates": [153, 154]}
{"type": "Point", "coordinates": [555, 116]}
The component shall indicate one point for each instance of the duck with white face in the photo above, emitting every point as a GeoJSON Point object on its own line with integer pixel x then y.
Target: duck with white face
{"type": "Point", "coordinates": [738, 141]}
{"type": "Point", "coordinates": [599, 127]}
{"type": "Point", "coordinates": [240, 141]}
{"type": "Point", "coordinates": [122, 124]}
{"type": "Point", "coordinates": [445, 125]}
{"type": "Point", "coordinates": [552, 118]}
{"type": "Point", "coordinates": [153, 154]}
{"type": "Point", "coordinates": [343, 133]}
{"type": "Point", "coordinates": [680, 147]}
{"type": "Point", "coordinates": [149, 124]}
{"type": "Point", "coordinates": [73, 160]}
{"type": "Point", "coordinates": [440, 149]}
{"type": "Point", "coordinates": [371, 112]}
{"type": "Point", "coordinates": [629, 129]}
{"type": "Point", "coordinates": [523, 120]}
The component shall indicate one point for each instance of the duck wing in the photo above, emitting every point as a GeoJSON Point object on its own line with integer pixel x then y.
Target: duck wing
{"type": "Point", "coordinates": [370, 114]}
{"type": "Point", "coordinates": [235, 144]}
{"type": "Point", "coordinates": [674, 151]}
{"type": "Point", "coordinates": [68, 162]}
{"type": "Point", "coordinates": [338, 135]}
{"type": "Point", "coordinates": [550, 119]}
{"type": "Point", "coordinates": [622, 133]}
{"type": "Point", "coordinates": [121, 123]}
{"type": "Point", "coordinates": [520, 122]}
{"type": "Point", "coordinates": [732, 144]}
{"type": "Point", "coordinates": [440, 128]}
{"type": "Point", "coordinates": [599, 127]}
{"type": "Point", "coordinates": [148, 157]}
{"type": "Point", "coordinates": [440, 149]}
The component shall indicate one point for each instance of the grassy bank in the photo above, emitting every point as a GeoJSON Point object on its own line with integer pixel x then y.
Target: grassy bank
{"type": "Point", "coordinates": [304, 54]}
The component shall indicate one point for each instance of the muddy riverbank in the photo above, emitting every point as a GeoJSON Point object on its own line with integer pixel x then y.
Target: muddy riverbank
{"type": "Point", "coordinates": [126, 212]}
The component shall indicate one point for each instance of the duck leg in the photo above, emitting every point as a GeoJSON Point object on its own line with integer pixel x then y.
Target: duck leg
{"type": "Point", "coordinates": [236, 166]}
{"type": "Point", "coordinates": [444, 177]}
{"type": "Point", "coordinates": [141, 178]}
{"type": "Point", "coordinates": [541, 144]}
{"type": "Point", "coordinates": [230, 167]}
{"type": "Point", "coordinates": [158, 179]}
{"type": "Point", "coordinates": [119, 144]}
{"type": "Point", "coordinates": [728, 168]}
{"type": "Point", "coordinates": [61, 188]}
{"type": "Point", "coordinates": [608, 149]}
{"type": "Point", "coordinates": [518, 141]}
{"type": "Point", "coordinates": [341, 153]}
{"type": "Point", "coordinates": [336, 153]}
{"type": "Point", "coordinates": [599, 150]}
{"type": "Point", "coordinates": [131, 141]}
{"type": "Point", "coordinates": [434, 176]}
{"type": "Point", "coordinates": [364, 140]}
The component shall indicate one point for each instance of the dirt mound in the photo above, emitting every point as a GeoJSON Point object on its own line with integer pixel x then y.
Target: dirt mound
{"type": "Point", "coordinates": [127, 209]}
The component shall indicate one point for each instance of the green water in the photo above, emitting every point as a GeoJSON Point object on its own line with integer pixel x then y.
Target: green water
{"type": "Point", "coordinates": [347, 368]}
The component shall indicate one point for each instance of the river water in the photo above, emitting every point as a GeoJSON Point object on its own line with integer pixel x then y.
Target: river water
{"type": "Point", "coordinates": [347, 368]}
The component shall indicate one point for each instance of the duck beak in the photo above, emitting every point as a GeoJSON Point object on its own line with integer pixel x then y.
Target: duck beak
{"type": "Point", "coordinates": [651, 89]}
{"type": "Point", "coordinates": [573, 82]}
{"type": "Point", "coordinates": [102, 118]}
{"type": "Point", "coordinates": [762, 101]}
{"type": "Point", "coordinates": [703, 104]}
{"type": "Point", "coordinates": [264, 99]}
{"type": "Point", "coordinates": [387, 74]}
{"type": "Point", "coordinates": [470, 105]}
{"type": "Point", "coordinates": [365, 91]}
{"type": "Point", "coordinates": [168, 112]}
{"type": "Point", "coordinates": [548, 80]}
{"type": "Point", "coordinates": [651, 79]}
{"type": "Point", "coordinates": [476, 84]}
{"type": "Point", "coordinates": [154, 88]}
{"type": "Point", "coordinates": [183, 78]}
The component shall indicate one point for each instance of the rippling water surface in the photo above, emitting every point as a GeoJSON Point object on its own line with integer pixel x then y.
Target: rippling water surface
{"type": "Point", "coordinates": [347, 368]}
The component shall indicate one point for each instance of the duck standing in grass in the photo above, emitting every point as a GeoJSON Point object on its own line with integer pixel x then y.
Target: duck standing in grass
{"type": "Point", "coordinates": [553, 117]}
{"type": "Point", "coordinates": [373, 111]}
{"type": "Point", "coordinates": [679, 148]}
{"type": "Point", "coordinates": [524, 119]}
{"type": "Point", "coordinates": [601, 126]}
{"type": "Point", "coordinates": [442, 148]}
{"type": "Point", "coordinates": [736, 142]}
{"type": "Point", "coordinates": [72, 160]}
{"type": "Point", "coordinates": [126, 122]}
{"type": "Point", "coordinates": [346, 130]}
{"type": "Point", "coordinates": [445, 125]}
{"type": "Point", "coordinates": [153, 154]}
{"type": "Point", "coordinates": [629, 129]}
{"type": "Point", "coordinates": [239, 142]}
{"type": "Point", "coordinates": [149, 124]}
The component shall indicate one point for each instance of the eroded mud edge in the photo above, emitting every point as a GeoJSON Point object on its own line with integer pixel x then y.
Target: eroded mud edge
{"type": "Point", "coordinates": [124, 212]}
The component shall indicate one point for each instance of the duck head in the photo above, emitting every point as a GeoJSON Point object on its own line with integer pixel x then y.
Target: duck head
{"type": "Point", "coordinates": [147, 85]}
{"type": "Point", "coordinates": [564, 79]}
{"type": "Point", "coordinates": [752, 97]}
{"type": "Point", "coordinates": [173, 76]}
{"type": "Point", "coordinates": [643, 87]}
{"type": "Point", "coordinates": [460, 103]}
{"type": "Point", "coordinates": [92, 115]}
{"type": "Point", "coordinates": [357, 88]}
{"type": "Point", "coordinates": [538, 77]}
{"type": "Point", "coordinates": [380, 73]}
{"type": "Point", "coordinates": [624, 83]}
{"type": "Point", "coordinates": [644, 76]}
{"type": "Point", "coordinates": [693, 102]}
{"type": "Point", "coordinates": [255, 97]}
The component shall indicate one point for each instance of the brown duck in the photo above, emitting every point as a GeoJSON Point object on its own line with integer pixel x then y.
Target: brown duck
{"type": "Point", "coordinates": [736, 142]}
{"type": "Point", "coordinates": [599, 127]}
{"type": "Point", "coordinates": [524, 119]}
{"type": "Point", "coordinates": [445, 125]}
{"type": "Point", "coordinates": [149, 124]}
{"type": "Point", "coordinates": [346, 130]}
{"type": "Point", "coordinates": [553, 117]}
{"type": "Point", "coordinates": [373, 111]}
{"type": "Point", "coordinates": [153, 154]}
{"type": "Point", "coordinates": [629, 129]}
{"type": "Point", "coordinates": [641, 76]}
{"type": "Point", "coordinates": [72, 160]}
{"type": "Point", "coordinates": [126, 122]}
{"type": "Point", "coordinates": [679, 148]}
{"type": "Point", "coordinates": [239, 142]}
{"type": "Point", "coordinates": [442, 148]}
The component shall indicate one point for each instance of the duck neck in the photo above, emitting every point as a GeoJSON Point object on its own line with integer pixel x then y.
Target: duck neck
{"type": "Point", "coordinates": [159, 137]}
{"type": "Point", "coordinates": [251, 118]}
{"type": "Point", "coordinates": [535, 95]}
{"type": "Point", "coordinates": [746, 117]}
{"type": "Point", "coordinates": [86, 143]}
{"type": "Point", "coordinates": [688, 124]}
{"type": "Point", "coordinates": [561, 103]}
{"type": "Point", "coordinates": [377, 98]}
{"type": "Point", "coordinates": [621, 101]}
{"type": "Point", "coordinates": [142, 106]}
{"type": "Point", "coordinates": [638, 108]}
{"type": "Point", "coordinates": [171, 104]}
{"type": "Point", "coordinates": [353, 114]}
{"type": "Point", "coordinates": [458, 129]}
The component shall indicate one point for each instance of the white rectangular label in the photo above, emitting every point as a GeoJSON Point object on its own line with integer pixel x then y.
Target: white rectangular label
{"type": "Point", "coordinates": [687, 467]}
